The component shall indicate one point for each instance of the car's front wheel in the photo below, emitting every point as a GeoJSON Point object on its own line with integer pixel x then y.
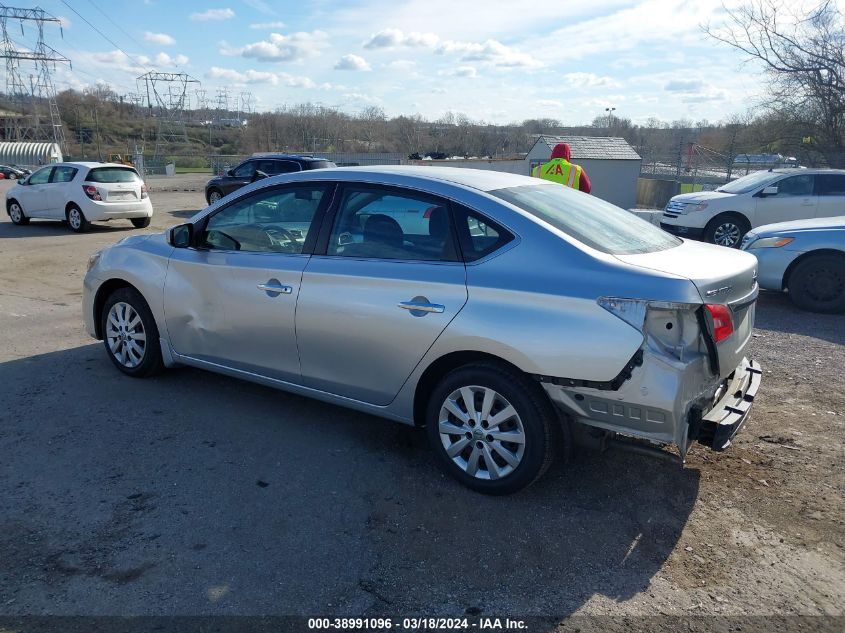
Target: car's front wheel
{"type": "Point", "coordinates": [16, 214]}
{"type": "Point", "coordinates": [214, 195]}
{"type": "Point", "coordinates": [492, 428]}
{"type": "Point", "coordinates": [141, 223]}
{"type": "Point", "coordinates": [76, 220]}
{"type": "Point", "coordinates": [727, 229]}
{"type": "Point", "coordinates": [817, 283]}
{"type": "Point", "coordinates": [130, 334]}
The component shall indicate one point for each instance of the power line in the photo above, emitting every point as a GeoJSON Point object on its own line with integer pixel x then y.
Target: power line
{"type": "Point", "coordinates": [104, 36]}
{"type": "Point", "coordinates": [120, 28]}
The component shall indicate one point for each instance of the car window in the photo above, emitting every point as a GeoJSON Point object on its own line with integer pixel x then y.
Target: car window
{"type": "Point", "coordinates": [479, 236]}
{"type": "Point", "coordinates": [41, 176]}
{"type": "Point", "coordinates": [244, 170]}
{"type": "Point", "coordinates": [63, 174]}
{"type": "Point", "coordinates": [319, 164]}
{"type": "Point", "coordinates": [112, 174]}
{"type": "Point", "coordinates": [588, 219]}
{"type": "Point", "coordinates": [274, 167]}
{"type": "Point", "coordinates": [384, 224]}
{"type": "Point", "coordinates": [277, 221]}
{"type": "Point", "coordinates": [795, 186]}
{"type": "Point", "coordinates": [830, 184]}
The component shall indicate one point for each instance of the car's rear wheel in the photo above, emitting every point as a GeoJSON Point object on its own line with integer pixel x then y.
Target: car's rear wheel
{"type": "Point", "coordinates": [214, 195]}
{"type": "Point", "coordinates": [492, 428]}
{"type": "Point", "coordinates": [16, 214]}
{"type": "Point", "coordinates": [141, 223]}
{"type": "Point", "coordinates": [727, 229]}
{"type": "Point", "coordinates": [817, 283]}
{"type": "Point", "coordinates": [130, 334]}
{"type": "Point", "coordinates": [76, 220]}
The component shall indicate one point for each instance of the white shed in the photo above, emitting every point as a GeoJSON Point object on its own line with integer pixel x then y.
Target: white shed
{"type": "Point", "coordinates": [29, 154]}
{"type": "Point", "coordinates": [611, 164]}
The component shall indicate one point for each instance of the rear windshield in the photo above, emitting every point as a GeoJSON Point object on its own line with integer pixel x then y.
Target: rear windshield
{"type": "Point", "coordinates": [113, 174]}
{"type": "Point", "coordinates": [319, 164]}
{"type": "Point", "coordinates": [588, 219]}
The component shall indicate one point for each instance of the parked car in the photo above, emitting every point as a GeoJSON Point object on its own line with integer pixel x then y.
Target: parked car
{"type": "Point", "coordinates": [258, 167]}
{"type": "Point", "coordinates": [522, 309]}
{"type": "Point", "coordinates": [81, 193]}
{"type": "Point", "coordinates": [805, 258]}
{"type": "Point", "coordinates": [10, 172]}
{"type": "Point", "coordinates": [725, 215]}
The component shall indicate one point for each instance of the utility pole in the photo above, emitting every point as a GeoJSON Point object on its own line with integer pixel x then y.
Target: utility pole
{"type": "Point", "coordinates": [28, 125]}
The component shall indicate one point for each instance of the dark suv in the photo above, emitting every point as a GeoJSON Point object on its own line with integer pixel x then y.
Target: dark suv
{"type": "Point", "coordinates": [258, 167]}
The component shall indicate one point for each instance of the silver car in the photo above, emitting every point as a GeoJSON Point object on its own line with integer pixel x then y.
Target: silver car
{"type": "Point", "coordinates": [516, 311]}
{"type": "Point", "coordinates": [805, 257]}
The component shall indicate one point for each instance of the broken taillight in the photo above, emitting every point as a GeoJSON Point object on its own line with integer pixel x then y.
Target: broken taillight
{"type": "Point", "coordinates": [92, 192]}
{"type": "Point", "coordinates": [723, 325]}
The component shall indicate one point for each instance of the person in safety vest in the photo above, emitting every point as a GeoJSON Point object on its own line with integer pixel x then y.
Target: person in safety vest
{"type": "Point", "coordinates": [559, 169]}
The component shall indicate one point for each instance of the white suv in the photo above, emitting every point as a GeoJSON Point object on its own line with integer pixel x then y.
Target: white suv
{"type": "Point", "coordinates": [724, 216]}
{"type": "Point", "coordinates": [81, 193]}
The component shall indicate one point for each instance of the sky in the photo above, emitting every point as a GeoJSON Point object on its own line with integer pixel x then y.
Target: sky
{"type": "Point", "coordinates": [496, 61]}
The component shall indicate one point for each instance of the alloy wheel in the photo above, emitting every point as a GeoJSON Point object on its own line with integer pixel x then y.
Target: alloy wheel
{"type": "Point", "coordinates": [15, 213]}
{"type": "Point", "coordinates": [727, 234]}
{"type": "Point", "coordinates": [125, 335]}
{"type": "Point", "coordinates": [481, 432]}
{"type": "Point", "coordinates": [214, 196]}
{"type": "Point", "coordinates": [74, 218]}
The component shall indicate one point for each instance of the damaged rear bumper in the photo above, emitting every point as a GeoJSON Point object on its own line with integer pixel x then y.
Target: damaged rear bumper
{"type": "Point", "coordinates": [719, 425]}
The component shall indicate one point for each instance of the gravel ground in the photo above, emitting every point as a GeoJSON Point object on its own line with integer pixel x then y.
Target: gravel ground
{"type": "Point", "coordinates": [192, 493]}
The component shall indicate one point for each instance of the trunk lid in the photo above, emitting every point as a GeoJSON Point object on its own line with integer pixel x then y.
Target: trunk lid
{"type": "Point", "coordinates": [722, 276]}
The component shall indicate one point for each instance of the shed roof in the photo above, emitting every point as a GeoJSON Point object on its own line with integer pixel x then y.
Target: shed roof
{"type": "Point", "coordinates": [594, 147]}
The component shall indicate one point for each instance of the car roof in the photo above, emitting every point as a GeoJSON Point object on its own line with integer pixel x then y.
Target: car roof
{"type": "Point", "coordinates": [88, 164]}
{"type": "Point", "coordinates": [480, 179]}
{"type": "Point", "coordinates": [807, 170]}
{"type": "Point", "coordinates": [303, 157]}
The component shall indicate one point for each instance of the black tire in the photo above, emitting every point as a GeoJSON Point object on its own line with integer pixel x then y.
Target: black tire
{"type": "Point", "coordinates": [141, 223]}
{"type": "Point", "coordinates": [211, 193]}
{"type": "Point", "coordinates": [817, 283]}
{"type": "Point", "coordinates": [76, 221]}
{"type": "Point", "coordinates": [16, 213]}
{"type": "Point", "coordinates": [726, 224]}
{"type": "Point", "coordinates": [150, 362]}
{"type": "Point", "coordinates": [544, 434]}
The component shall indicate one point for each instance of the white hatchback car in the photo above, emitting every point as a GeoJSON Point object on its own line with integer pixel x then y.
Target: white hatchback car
{"type": "Point", "coordinates": [81, 193]}
{"type": "Point", "coordinates": [724, 216]}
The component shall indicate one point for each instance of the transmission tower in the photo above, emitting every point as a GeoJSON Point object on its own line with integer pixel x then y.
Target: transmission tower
{"type": "Point", "coordinates": [167, 98]}
{"type": "Point", "coordinates": [28, 94]}
{"type": "Point", "coordinates": [222, 106]}
{"type": "Point", "coordinates": [245, 105]}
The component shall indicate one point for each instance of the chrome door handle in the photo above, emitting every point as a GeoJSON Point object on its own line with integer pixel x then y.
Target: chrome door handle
{"type": "Point", "coordinates": [274, 289]}
{"type": "Point", "coordinates": [418, 306]}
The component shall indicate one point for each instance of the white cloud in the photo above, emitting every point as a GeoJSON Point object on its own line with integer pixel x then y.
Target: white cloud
{"type": "Point", "coordinates": [165, 60]}
{"type": "Point", "coordinates": [213, 14]}
{"type": "Point", "coordinates": [281, 48]}
{"type": "Point", "coordinates": [111, 57]}
{"type": "Point", "coordinates": [361, 98]}
{"type": "Point", "coordinates": [402, 64]}
{"type": "Point", "coordinates": [460, 71]}
{"type": "Point", "coordinates": [352, 62]}
{"type": "Point", "coordinates": [162, 39]}
{"type": "Point", "coordinates": [64, 22]}
{"type": "Point", "coordinates": [262, 77]}
{"type": "Point", "coordinates": [490, 51]}
{"type": "Point", "coordinates": [589, 80]}
{"type": "Point", "coordinates": [549, 103]}
{"type": "Point", "coordinates": [266, 26]}
{"type": "Point", "coordinates": [684, 85]}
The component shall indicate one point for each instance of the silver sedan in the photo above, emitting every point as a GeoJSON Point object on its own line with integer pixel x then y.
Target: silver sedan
{"type": "Point", "coordinates": [498, 311]}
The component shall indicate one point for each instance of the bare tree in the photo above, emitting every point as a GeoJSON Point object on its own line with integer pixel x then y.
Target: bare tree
{"type": "Point", "coordinates": [802, 52]}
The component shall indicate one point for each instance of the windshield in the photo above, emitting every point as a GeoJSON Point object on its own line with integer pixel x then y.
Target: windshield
{"type": "Point", "coordinates": [749, 182]}
{"type": "Point", "coordinates": [588, 219]}
{"type": "Point", "coordinates": [113, 174]}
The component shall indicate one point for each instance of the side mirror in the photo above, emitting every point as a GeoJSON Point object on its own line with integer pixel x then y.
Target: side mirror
{"type": "Point", "coordinates": [180, 236]}
{"type": "Point", "coordinates": [229, 173]}
{"type": "Point", "coordinates": [23, 181]}
{"type": "Point", "coordinates": [258, 175]}
{"type": "Point", "coordinates": [771, 190]}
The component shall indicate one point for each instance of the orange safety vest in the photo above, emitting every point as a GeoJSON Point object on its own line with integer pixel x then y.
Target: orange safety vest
{"type": "Point", "coordinates": [561, 171]}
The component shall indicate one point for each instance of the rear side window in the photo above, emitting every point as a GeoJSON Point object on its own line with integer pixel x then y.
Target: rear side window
{"type": "Point", "coordinates": [479, 236]}
{"type": "Point", "coordinates": [588, 219]}
{"type": "Point", "coordinates": [112, 174]}
{"type": "Point", "coordinates": [830, 184]}
{"type": "Point", "coordinates": [64, 174]}
{"type": "Point", "coordinates": [274, 167]}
